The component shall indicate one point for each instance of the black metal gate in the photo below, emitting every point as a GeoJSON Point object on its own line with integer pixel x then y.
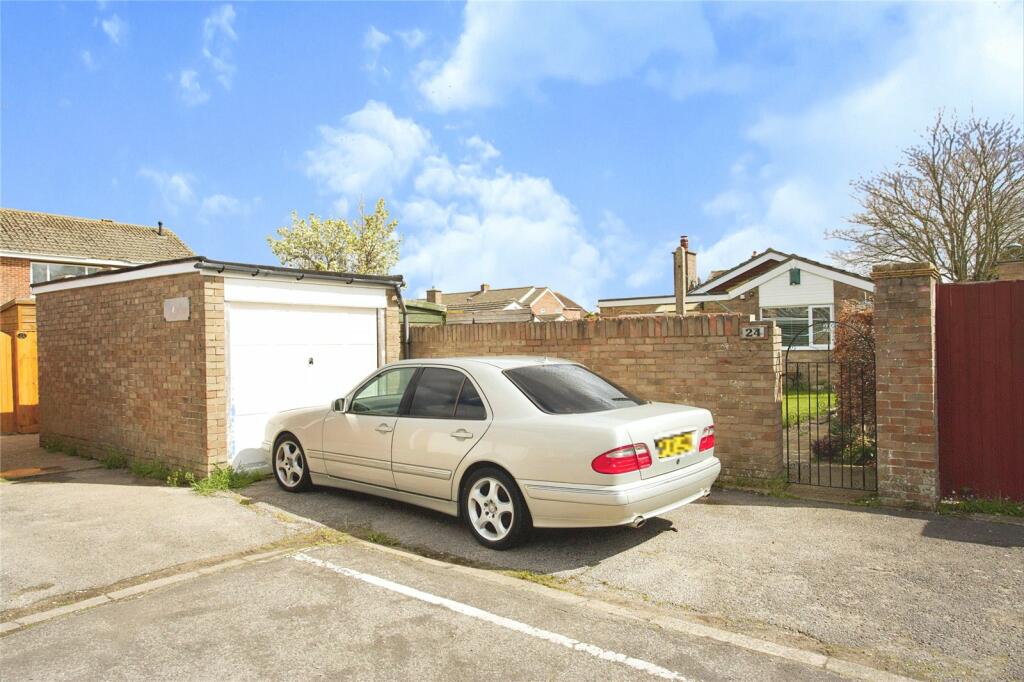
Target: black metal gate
{"type": "Point", "coordinates": [828, 409]}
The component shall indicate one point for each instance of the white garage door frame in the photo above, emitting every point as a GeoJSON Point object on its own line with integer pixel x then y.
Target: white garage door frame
{"type": "Point", "coordinates": [333, 322]}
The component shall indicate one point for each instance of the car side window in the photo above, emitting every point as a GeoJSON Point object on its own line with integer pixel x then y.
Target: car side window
{"type": "Point", "coordinates": [470, 406]}
{"type": "Point", "coordinates": [383, 394]}
{"type": "Point", "coordinates": [445, 394]}
{"type": "Point", "coordinates": [436, 393]}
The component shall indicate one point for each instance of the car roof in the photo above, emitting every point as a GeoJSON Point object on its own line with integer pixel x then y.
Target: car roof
{"type": "Point", "coordinates": [499, 361]}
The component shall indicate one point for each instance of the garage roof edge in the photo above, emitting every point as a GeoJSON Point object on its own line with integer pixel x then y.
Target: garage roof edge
{"type": "Point", "coordinates": [200, 263]}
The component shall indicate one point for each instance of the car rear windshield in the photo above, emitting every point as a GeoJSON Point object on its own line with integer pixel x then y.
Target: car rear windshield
{"type": "Point", "coordinates": [569, 389]}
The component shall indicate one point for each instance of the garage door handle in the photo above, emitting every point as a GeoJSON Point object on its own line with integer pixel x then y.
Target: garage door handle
{"type": "Point", "coordinates": [461, 434]}
{"type": "Point", "coordinates": [384, 428]}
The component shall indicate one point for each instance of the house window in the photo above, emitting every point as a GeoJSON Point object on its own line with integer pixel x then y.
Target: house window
{"type": "Point", "coordinates": [45, 272]}
{"type": "Point", "coordinates": [803, 326]}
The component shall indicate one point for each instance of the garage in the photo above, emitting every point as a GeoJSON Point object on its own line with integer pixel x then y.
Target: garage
{"type": "Point", "coordinates": [282, 355]}
{"type": "Point", "coordinates": [182, 362]}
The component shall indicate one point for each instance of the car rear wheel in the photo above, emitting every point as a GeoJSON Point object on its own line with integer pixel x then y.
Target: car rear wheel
{"type": "Point", "coordinates": [290, 467]}
{"type": "Point", "coordinates": [494, 509]}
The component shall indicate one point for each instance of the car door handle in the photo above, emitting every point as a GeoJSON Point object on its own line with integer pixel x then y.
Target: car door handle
{"type": "Point", "coordinates": [461, 434]}
{"type": "Point", "coordinates": [384, 428]}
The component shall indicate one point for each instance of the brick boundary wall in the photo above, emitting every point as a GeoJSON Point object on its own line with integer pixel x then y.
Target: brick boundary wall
{"type": "Point", "coordinates": [904, 321]}
{"type": "Point", "coordinates": [115, 377]}
{"type": "Point", "coordinates": [699, 360]}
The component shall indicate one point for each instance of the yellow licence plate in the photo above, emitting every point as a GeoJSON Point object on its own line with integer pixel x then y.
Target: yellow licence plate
{"type": "Point", "coordinates": [674, 446]}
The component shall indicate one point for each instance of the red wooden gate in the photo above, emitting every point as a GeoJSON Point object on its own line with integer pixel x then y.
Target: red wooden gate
{"type": "Point", "coordinates": [980, 382]}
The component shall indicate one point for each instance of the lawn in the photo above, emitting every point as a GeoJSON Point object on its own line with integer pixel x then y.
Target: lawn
{"type": "Point", "coordinates": [800, 406]}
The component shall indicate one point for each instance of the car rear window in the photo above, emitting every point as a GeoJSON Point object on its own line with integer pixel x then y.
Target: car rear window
{"type": "Point", "coordinates": [569, 389]}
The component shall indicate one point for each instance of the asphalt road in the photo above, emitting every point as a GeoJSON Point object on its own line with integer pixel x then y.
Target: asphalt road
{"type": "Point", "coordinates": [918, 594]}
{"type": "Point", "coordinates": [355, 612]}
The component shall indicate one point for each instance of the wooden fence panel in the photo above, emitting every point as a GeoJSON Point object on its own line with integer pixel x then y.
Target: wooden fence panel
{"type": "Point", "coordinates": [6, 384]}
{"type": "Point", "coordinates": [979, 338]}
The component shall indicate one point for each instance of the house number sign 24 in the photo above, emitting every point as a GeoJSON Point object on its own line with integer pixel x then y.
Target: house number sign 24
{"type": "Point", "coordinates": [752, 332]}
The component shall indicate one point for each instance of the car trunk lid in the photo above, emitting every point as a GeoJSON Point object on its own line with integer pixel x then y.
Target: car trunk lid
{"type": "Point", "coordinates": [672, 434]}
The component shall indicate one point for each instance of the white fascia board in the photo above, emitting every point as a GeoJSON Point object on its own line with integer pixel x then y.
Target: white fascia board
{"type": "Point", "coordinates": [804, 265]}
{"type": "Point", "coordinates": [691, 297]}
{"type": "Point", "coordinates": [115, 276]}
{"type": "Point", "coordinates": [286, 290]}
{"type": "Point", "coordinates": [70, 260]}
{"type": "Point", "coordinates": [729, 274]}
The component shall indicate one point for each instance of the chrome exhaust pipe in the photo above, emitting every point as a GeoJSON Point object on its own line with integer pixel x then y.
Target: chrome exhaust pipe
{"type": "Point", "coordinates": [638, 522]}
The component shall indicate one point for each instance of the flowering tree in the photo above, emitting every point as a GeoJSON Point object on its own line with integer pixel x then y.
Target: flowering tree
{"type": "Point", "coordinates": [368, 246]}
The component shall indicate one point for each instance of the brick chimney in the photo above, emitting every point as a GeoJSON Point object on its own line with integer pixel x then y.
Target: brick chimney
{"type": "Point", "coordinates": [434, 295]}
{"type": "Point", "coordinates": [485, 287]}
{"type": "Point", "coordinates": [691, 263]}
{"type": "Point", "coordinates": [679, 258]}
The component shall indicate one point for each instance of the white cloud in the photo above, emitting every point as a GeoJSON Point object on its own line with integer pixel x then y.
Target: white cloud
{"type": "Point", "coordinates": [116, 28]}
{"type": "Point", "coordinates": [412, 38]}
{"type": "Point", "coordinates": [374, 39]}
{"type": "Point", "coordinates": [218, 36]}
{"type": "Point", "coordinates": [368, 154]}
{"type": "Point", "coordinates": [466, 225]}
{"type": "Point", "coordinates": [223, 206]}
{"type": "Point", "coordinates": [484, 150]}
{"type": "Point", "coordinates": [191, 91]}
{"type": "Point", "coordinates": [463, 223]}
{"type": "Point", "coordinates": [175, 188]}
{"type": "Point", "coordinates": [373, 42]}
{"type": "Point", "coordinates": [87, 60]}
{"type": "Point", "coordinates": [959, 57]}
{"type": "Point", "coordinates": [509, 48]}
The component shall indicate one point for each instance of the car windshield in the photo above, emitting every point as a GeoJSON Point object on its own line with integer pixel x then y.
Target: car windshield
{"type": "Point", "coordinates": [569, 389]}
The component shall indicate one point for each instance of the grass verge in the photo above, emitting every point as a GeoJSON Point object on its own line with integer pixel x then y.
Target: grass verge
{"type": "Point", "coordinates": [998, 507]}
{"type": "Point", "coordinates": [540, 578]}
{"type": "Point", "coordinates": [225, 478]}
{"type": "Point", "coordinates": [773, 487]}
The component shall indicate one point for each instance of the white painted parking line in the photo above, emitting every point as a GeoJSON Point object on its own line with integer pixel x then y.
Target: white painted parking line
{"type": "Point", "coordinates": [508, 623]}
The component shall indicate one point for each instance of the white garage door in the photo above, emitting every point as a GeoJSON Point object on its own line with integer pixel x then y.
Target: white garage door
{"type": "Point", "coordinates": [283, 356]}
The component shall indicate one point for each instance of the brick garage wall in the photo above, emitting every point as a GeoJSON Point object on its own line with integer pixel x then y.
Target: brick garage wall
{"type": "Point", "coordinates": [14, 278]}
{"type": "Point", "coordinates": [699, 360]}
{"type": "Point", "coordinates": [116, 377]}
{"type": "Point", "coordinates": [905, 384]}
{"type": "Point", "coordinates": [392, 329]}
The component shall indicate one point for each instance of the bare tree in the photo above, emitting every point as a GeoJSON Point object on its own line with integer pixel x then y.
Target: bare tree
{"type": "Point", "coordinates": [956, 200]}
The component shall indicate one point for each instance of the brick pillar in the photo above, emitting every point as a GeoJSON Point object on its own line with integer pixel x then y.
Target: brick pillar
{"type": "Point", "coordinates": [908, 456]}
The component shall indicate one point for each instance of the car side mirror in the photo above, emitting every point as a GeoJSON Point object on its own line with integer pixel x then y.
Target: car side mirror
{"type": "Point", "coordinates": [339, 405]}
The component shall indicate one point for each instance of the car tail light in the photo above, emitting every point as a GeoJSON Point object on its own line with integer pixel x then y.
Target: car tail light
{"type": "Point", "coordinates": [623, 460]}
{"type": "Point", "coordinates": [707, 438]}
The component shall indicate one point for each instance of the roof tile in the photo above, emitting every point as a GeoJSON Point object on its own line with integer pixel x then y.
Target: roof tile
{"type": "Point", "coordinates": [46, 234]}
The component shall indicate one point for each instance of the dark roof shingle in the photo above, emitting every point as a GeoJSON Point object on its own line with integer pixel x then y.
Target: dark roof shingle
{"type": "Point", "coordinates": [46, 234]}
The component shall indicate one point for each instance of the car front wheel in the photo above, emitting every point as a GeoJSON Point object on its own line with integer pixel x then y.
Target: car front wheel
{"type": "Point", "coordinates": [494, 509]}
{"type": "Point", "coordinates": [290, 467]}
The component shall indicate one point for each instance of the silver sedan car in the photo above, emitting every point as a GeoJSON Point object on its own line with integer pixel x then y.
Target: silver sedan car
{"type": "Point", "coordinates": [506, 443]}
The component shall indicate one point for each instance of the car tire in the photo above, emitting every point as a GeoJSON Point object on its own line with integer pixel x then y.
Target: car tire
{"type": "Point", "coordinates": [291, 468]}
{"type": "Point", "coordinates": [494, 509]}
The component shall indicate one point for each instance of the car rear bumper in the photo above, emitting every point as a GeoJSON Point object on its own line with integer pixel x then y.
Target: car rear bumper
{"type": "Point", "coordinates": [564, 505]}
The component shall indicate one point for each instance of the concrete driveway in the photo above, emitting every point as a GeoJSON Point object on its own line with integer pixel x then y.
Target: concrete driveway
{"type": "Point", "coordinates": [66, 534]}
{"type": "Point", "coordinates": [917, 594]}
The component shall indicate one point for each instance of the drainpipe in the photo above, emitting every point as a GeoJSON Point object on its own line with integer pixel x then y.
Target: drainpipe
{"type": "Point", "coordinates": [405, 322]}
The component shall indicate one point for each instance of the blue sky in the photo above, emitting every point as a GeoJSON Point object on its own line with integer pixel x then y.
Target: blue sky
{"type": "Point", "coordinates": [566, 145]}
